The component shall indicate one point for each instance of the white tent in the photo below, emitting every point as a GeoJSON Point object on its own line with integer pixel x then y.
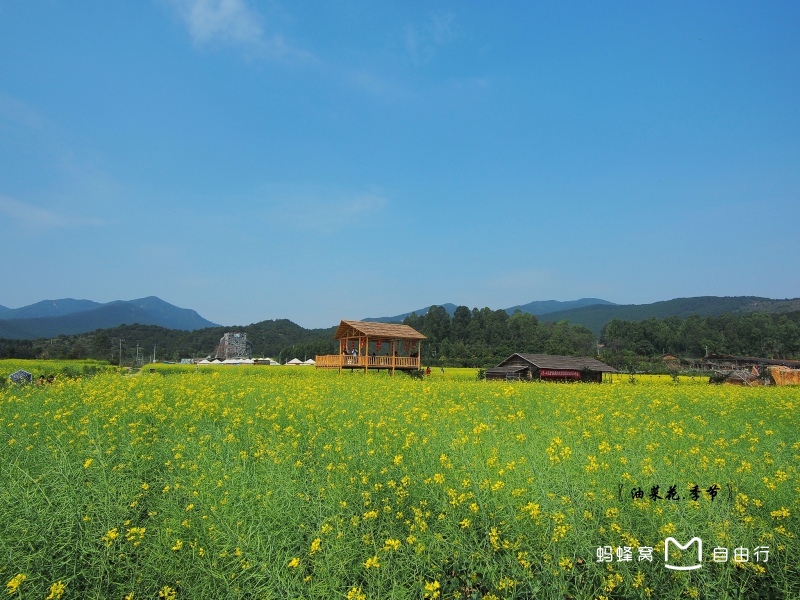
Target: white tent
{"type": "Point", "coordinates": [294, 362]}
{"type": "Point", "coordinates": [309, 363]}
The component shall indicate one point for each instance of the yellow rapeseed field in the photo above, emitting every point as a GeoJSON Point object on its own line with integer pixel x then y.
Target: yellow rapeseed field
{"type": "Point", "coordinates": [280, 482]}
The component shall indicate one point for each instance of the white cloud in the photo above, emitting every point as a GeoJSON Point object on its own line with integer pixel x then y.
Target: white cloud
{"type": "Point", "coordinates": [234, 23]}
{"type": "Point", "coordinates": [422, 41]}
{"type": "Point", "coordinates": [230, 21]}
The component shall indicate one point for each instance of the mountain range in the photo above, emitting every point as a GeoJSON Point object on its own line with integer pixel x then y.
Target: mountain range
{"type": "Point", "coordinates": [51, 318]}
{"type": "Point", "coordinates": [594, 313]}
{"type": "Point", "coordinates": [537, 307]}
{"type": "Point", "coordinates": [596, 316]}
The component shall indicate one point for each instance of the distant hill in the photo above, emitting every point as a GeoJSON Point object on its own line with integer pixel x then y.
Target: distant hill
{"type": "Point", "coordinates": [537, 307]}
{"type": "Point", "coordinates": [596, 316]}
{"type": "Point", "coordinates": [51, 318]}
{"type": "Point", "coordinates": [450, 308]}
{"type": "Point", "coordinates": [51, 308]}
{"type": "Point", "coordinates": [3, 309]}
{"type": "Point", "coordinates": [277, 339]}
{"type": "Point", "coordinates": [544, 307]}
{"type": "Point", "coordinates": [594, 313]}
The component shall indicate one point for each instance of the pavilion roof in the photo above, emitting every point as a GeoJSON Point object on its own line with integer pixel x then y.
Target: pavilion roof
{"type": "Point", "coordinates": [551, 361]}
{"type": "Point", "coordinates": [387, 331]}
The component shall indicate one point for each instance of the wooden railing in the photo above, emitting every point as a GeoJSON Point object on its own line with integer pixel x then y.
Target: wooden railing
{"type": "Point", "coordinates": [347, 361]}
{"type": "Point", "coordinates": [327, 361]}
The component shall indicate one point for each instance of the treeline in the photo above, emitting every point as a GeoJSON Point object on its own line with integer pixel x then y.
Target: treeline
{"type": "Point", "coordinates": [122, 344]}
{"type": "Point", "coordinates": [476, 337]}
{"type": "Point", "coordinates": [484, 337]}
{"type": "Point", "coordinates": [628, 343]}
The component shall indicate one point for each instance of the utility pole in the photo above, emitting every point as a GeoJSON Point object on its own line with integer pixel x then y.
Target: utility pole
{"type": "Point", "coordinates": [120, 352]}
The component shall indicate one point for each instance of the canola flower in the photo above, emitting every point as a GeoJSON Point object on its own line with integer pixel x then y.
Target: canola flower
{"type": "Point", "coordinates": [57, 590]}
{"type": "Point", "coordinates": [355, 593]}
{"type": "Point", "coordinates": [12, 587]}
{"type": "Point", "coordinates": [189, 472]}
{"type": "Point", "coordinates": [432, 589]}
{"type": "Point", "coordinates": [167, 593]}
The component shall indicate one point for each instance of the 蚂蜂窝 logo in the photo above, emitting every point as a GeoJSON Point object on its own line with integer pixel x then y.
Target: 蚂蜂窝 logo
{"type": "Point", "coordinates": [683, 547]}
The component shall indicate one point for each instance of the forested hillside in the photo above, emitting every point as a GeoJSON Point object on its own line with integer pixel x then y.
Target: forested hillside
{"type": "Point", "coordinates": [269, 338]}
{"type": "Point", "coordinates": [470, 337]}
{"type": "Point", "coordinates": [485, 337]}
{"type": "Point", "coordinates": [756, 334]}
{"type": "Point", "coordinates": [595, 317]}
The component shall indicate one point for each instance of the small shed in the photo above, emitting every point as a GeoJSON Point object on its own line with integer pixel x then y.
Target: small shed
{"type": "Point", "coordinates": [550, 367]}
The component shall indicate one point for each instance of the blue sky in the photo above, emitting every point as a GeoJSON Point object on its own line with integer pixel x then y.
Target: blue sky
{"type": "Point", "coordinates": [324, 161]}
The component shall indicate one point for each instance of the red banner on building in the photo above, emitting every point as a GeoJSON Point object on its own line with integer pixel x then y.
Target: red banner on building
{"type": "Point", "coordinates": [559, 374]}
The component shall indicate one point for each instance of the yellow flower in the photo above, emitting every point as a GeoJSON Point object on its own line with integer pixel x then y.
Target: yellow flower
{"type": "Point", "coordinates": [13, 585]}
{"type": "Point", "coordinates": [135, 535]}
{"type": "Point", "coordinates": [355, 593]}
{"type": "Point", "coordinates": [294, 563]}
{"type": "Point", "coordinates": [110, 536]}
{"type": "Point", "coordinates": [178, 545]}
{"type": "Point", "coordinates": [167, 593]}
{"type": "Point", "coordinates": [315, 546]}
{"type": "Point", "coordinates": [392, 544]}
{"type": "Point", "coordinates": [432, 589]}
{"type": "Point", "coordinates": [372, 563]}
{"type": "Point", "coordinates": [638, 580]}
{"type": "Point", "coordinates": [494, 538]}
{"type": "Point", "coordinates": [88, 463]}
{"type": "Point", "coordinates": [782, 513]}
{"type": "Point", "coordinates": [56, 591]}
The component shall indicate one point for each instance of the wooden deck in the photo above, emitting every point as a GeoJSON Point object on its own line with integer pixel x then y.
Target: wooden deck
{"type": "Point", "coordinates": [346, 361]}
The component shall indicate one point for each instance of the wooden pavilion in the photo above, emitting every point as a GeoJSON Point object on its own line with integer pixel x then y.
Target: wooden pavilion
{"type": "Point", "coordinates": [368, 345]}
